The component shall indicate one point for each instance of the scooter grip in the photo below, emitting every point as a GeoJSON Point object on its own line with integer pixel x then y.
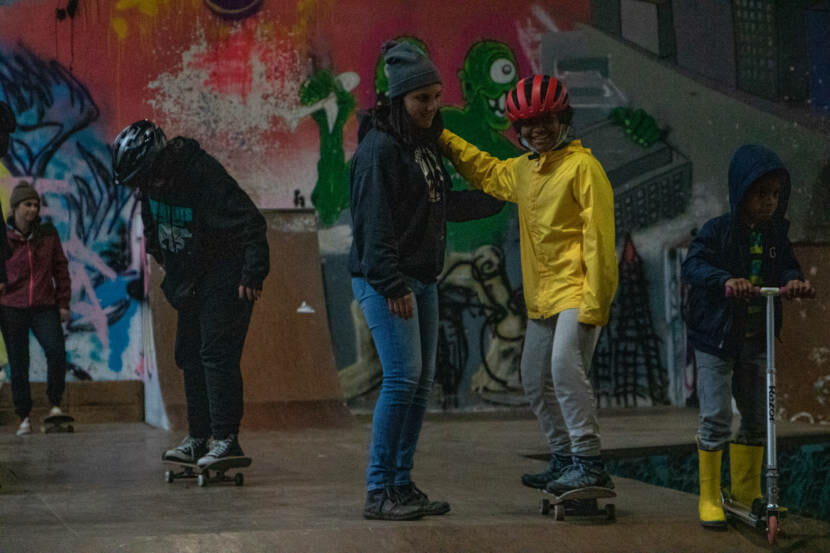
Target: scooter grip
{"type": "Point", "coordinates": [730, 292]}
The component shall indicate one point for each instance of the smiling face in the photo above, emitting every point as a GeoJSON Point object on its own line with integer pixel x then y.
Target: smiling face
{"type": "Point", "coordinates": [422, 104]}
{"type": "Point", "coordinates": [541, 133]}
{"type": "Point", "coordinates": [761, 200]}
{"type": "Point", "coordinates": [25, 213]}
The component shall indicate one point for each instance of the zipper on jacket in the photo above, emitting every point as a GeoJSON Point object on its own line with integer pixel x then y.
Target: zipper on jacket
{"type": "Point", "coordinates": [31, 273]}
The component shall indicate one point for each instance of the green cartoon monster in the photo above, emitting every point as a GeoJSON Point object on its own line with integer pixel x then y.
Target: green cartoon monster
{"type": "Point", "coordinates": [331, 192]}
{"type": "Point", "coordinates": [489, 73]}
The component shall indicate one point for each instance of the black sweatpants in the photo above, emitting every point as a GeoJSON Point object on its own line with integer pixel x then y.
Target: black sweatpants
{"type": "Point", "coordinates": [209, 341]}
{"type": "Point", "coordinates": [45, 324]}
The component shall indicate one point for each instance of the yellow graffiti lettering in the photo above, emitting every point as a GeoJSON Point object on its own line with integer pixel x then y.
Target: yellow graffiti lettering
{"type": "Point", "coordinates": [119, 25]}
{"type": "Point", "coordinates": [147, 7]}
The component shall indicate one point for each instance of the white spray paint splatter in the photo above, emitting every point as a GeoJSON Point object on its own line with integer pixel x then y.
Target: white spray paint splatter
{"type": "Point", "coordinates": [240, 129]}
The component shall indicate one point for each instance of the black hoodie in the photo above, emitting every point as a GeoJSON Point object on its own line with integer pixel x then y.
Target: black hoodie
{"type": "Point", "coordinates": [400, 205]}
{"type": "Point", "coordinates": [200, 225]}
{"type": "Point", "coordinates": [720, 251]}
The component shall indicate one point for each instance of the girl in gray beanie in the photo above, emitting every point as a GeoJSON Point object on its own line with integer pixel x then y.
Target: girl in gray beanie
{"type": "Point", "coordinates": [400, 205]}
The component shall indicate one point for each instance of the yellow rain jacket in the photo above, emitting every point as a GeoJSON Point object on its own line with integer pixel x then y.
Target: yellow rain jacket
{"type": "Point", "coordinates": [566, 224]}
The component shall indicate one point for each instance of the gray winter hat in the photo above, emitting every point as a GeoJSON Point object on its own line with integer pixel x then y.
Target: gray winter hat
{"type": "Point", "coordinates": [407, 68]}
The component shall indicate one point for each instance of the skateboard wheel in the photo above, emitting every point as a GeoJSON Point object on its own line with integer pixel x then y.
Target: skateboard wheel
{"type": "Point", "coordinates": [168, 476]}
{"type": "Point", "coordinates": [238, 479]}
{"type": "Point", "coordinates": [610, 512]}
{"type": "Point", "coordinates": [202, 481]}
{"type": "Point", "coordinates": [559, 511]}
{"type": "Point", "coordinates": [70, 428]}
{"type": "Point", "coordinates": [544, 506]}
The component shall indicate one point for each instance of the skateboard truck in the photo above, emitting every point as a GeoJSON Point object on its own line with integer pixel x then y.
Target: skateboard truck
{"type": "Point", "coordinates": [57, 423]}
{"type": "Point", "coordinates": [581, 502]}
{"type": "Point", "coordinates": [208, 474]}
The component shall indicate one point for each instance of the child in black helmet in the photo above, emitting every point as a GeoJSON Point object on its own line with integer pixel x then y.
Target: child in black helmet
{"type": "Point", "coordinates": [209, 237]}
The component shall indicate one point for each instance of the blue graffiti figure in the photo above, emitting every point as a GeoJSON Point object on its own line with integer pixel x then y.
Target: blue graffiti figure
{"type": "Point", "coordinates": [56, 147]}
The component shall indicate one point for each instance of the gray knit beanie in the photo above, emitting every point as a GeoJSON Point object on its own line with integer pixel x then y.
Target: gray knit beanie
{"type": "Point", "coordinates": [22, 192]}
{"type": "Point", "coordinates": [407, 68]}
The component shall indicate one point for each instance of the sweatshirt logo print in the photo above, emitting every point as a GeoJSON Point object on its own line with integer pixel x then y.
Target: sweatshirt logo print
{"type": "Point", "coordinates": [171, 223]}
{"type": "Point", "coordinates": [431, 168]}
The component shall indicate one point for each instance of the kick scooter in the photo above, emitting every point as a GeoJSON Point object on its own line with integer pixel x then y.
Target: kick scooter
{"type": "Point", "coordinates": [768, 519]}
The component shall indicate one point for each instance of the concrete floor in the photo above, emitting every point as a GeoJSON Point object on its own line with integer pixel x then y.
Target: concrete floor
{"type": "Point", "coordinates": [102, 490]}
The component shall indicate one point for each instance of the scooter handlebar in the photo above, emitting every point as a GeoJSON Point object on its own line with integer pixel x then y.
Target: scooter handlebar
{"type": "Point", "coordinates": [760, 291]}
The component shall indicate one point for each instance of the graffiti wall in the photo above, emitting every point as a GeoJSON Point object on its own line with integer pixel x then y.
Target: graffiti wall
{"type": "Point", "coordinates": [274, 90]}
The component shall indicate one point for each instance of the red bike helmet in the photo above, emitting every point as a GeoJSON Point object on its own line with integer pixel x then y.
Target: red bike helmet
{"type": "Point", "coordinates": [534, 96]}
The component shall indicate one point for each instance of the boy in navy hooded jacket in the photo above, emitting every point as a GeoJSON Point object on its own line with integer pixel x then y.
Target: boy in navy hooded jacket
{"type": "Point", "coordinates": [743, 249]}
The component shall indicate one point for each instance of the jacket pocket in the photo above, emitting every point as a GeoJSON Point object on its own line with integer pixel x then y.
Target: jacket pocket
{"type": "Point", "coordinates": [181, 295]}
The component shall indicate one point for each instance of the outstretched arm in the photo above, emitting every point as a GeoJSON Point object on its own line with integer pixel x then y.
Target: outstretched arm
{"type": "Point", "coordinates": [487, 173]}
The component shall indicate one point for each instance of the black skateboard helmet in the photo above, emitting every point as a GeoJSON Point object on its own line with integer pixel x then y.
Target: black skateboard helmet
{"type": "Point", "coordinates": [134, 150]}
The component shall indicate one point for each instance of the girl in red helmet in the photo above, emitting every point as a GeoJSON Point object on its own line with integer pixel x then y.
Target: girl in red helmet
{"type": "Point", "coordinates": [569, 270]}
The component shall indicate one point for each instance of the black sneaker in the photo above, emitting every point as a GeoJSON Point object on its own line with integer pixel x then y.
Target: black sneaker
{"type": "Point", "coordinates": [556, 466]}
{"type": "Point", "coordinates": [409, 494]}
{"type": "Point", "coordinates": [585, 472]}
{"type": "Point", "coordinates": [222, 449]}
{"type": "Point", "coordinates": [384, 504]}
{"type": "Point", "coordinates": [188, 451]}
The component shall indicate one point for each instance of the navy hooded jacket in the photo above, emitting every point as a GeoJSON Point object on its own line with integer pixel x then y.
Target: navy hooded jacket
{"type": "Point", "coordinates": [720, 251]}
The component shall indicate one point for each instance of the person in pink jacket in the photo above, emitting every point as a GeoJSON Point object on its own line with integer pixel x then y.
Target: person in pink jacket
{"type": "Point", "coordinates": [36, 299]}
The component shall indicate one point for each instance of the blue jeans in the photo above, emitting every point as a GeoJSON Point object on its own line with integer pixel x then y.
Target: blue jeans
{"type": "Point", "coordinates": [407, 351]}
{"type": "Point", "coordinates": [717, 381]}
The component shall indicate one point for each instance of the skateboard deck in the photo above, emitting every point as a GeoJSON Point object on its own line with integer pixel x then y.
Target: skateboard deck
{"type": "Point", "coordinates": [57, 423]}
{"type": "Point", "coordinates": [580, 503]}
{"type": "Point", "coordinates": [208, 474]}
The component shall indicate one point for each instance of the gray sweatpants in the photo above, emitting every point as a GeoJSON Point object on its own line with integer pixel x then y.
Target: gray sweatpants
{"type": "Point", "coordinates": [718, 380]}
{"type": "Point", "coordinates": [555, 361]}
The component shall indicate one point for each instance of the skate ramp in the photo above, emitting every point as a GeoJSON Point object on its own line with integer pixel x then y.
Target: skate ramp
{"type": "Point", "coordinates": [803, 352]}
{"type": "Point", "coordinates": [288, 370]}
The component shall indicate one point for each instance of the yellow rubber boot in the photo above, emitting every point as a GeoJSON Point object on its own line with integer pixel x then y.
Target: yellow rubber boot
{"type": "Point", "coordinates": [745, 465]}
{"type": "Point", "coordinates": [710, 506]}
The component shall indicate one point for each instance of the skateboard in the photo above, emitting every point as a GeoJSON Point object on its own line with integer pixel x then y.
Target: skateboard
{"type": "Point", "coordinates": [580, 503]}
{"type": "Point", "coordinates": [57, 423]}
{"type": "Point", "coordinates": [208, 474]}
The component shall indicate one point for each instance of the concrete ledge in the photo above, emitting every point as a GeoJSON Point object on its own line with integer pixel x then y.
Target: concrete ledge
{"type": "Point", "coordinates": [279, 415]}
{"type": "Point", "coordinates": [88, 402]}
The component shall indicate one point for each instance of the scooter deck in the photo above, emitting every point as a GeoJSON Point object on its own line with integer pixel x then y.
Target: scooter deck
{"type": "Point", "coordinates": [738, 512]}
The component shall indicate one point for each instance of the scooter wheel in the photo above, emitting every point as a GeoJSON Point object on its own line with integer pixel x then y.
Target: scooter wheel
{"type": "Point", "coordinates": [772, 528]}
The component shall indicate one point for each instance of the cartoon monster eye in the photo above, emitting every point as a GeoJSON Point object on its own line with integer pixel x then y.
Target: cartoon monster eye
{"type": "Point", "coordinates": [502, 71]}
